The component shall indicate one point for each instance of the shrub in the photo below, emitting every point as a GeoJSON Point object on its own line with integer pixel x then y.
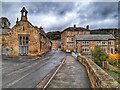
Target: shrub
{"type": "Point", "coordinates": [114, 56]}
{"type": "Point", "coordinates": [99, 55]}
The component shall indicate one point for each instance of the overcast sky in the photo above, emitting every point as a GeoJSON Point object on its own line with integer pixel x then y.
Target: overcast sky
{"type": "Point", "coordinates": [59, 15]}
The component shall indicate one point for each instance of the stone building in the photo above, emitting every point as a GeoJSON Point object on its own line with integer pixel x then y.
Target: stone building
{"type": "Point", "coordinates": [26, 39]}
{"type": "Point", "coordinates": [79, 39]}
{"type": "Point", "coordinates": [4, 34]}
{"type": "Point", "coordinates": [86, 43]}
{"type": "Point", "coordinates": [56, 45]}
{"type": "Point", "coordinates": [67, 37]}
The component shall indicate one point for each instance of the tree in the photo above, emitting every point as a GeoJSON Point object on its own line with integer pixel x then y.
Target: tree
{"type": "Point", "coordinates": [117, 44]}
{"type": "Point", "coordinates": [55, 35]}
{"type": "Point", "coordinates": [99, 55]}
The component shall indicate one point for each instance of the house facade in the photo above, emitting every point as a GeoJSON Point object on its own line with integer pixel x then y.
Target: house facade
{"type": "Point", "coordinates": [4, 34]}
{"type": "Point", "coordinates": [86, 43]}
{"type": "Point", "coordinates": [56, 45]}
{"type": "Point", "coordinates": [67, 37]}
{"type": "Point", "coordinates": [79, 39]}
{"type": "Point", "coordinates": [26, 39]}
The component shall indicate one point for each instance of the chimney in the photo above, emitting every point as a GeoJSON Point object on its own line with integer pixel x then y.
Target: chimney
{"type": "Point", "coordinates": [87, 27]}
{"type": "Point", "coordinates": [74, 25]}
{"type": "Point", "coordinates": [17, 21]}
{"type": "Point", "coordinates": [41, 27]}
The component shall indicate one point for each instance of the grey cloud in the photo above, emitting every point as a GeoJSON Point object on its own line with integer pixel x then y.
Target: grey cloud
{"type": "Point", "coordinates": [96, 14]}
{"type": "Point", "coordinates": [99, 10]}
{"type": "Point", "coordinates": [51, 7]}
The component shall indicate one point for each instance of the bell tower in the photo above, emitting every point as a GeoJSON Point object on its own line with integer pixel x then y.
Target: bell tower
{"type": "Point", "coordinates": [24, 14]}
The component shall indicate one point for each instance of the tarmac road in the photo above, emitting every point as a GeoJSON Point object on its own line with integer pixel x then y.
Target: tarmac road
{"type": "Point", "coordinates": [27, 72]}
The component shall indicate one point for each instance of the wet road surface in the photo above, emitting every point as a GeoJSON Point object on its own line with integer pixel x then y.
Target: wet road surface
{"type": "Point", "coordinates": [28, 72]}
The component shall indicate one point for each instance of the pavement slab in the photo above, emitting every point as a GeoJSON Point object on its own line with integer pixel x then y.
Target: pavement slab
{"type": "Point", "coordinates": [71, 75]}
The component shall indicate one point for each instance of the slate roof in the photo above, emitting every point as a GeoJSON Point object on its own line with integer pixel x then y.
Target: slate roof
{"type": "Point", "coordinates": [95, 37]}
{"type": "Point", "coordinates": [4, 31]}
{"type": "Point", "coordinates": [24, 10]}
{"type": "Point", "coordinates": [75, 29]}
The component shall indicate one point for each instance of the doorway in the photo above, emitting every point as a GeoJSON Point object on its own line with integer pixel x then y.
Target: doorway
{"type": "Point", "coordinates": [112, 52]}
{"type": "Point", "coordinates": [4, 50]}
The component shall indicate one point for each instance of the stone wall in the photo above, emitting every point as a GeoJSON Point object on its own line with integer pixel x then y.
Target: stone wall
{"type": "Point", "coordinates": [98, 77]}
{"type": "Point", "coordinates": [3, 41]}
{"type": "Point", "coordinates": [24, 28]}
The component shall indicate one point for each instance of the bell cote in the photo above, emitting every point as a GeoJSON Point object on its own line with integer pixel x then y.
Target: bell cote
{"type": "Point", "coordinates": [24, 14]}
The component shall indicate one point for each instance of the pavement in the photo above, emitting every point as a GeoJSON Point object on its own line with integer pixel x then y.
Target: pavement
{"type": "Point", "coordinates": [28, 72]}
{"type": "Point", "coordinates": [71, 75]}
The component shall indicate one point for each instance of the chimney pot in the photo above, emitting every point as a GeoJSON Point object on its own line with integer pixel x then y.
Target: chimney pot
{"type": "Point", "coordinates": [87, 27]}
{"type": "Point", "coordinates": [74, 25]}
{"type": "Point", "coordinates": [17, 20]}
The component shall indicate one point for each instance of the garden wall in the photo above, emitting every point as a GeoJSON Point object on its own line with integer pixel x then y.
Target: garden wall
{"type": "Point", "coordinates": [98, 77]}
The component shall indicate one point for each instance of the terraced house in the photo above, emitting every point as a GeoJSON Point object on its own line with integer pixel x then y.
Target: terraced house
{"type": "Point", "coordinates": [86, 43]}
{"type": "Point", "coordinates": [67, 37]}
{"type": "Point", "coordinates": [24, 38]}
{"type": "Point", "coordinates": [79, 39]}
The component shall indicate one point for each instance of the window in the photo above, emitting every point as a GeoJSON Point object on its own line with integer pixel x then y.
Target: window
{"type": "Point", "coordinates": [78, 33]}
{"type": "Point", "coordinates": [112, 51]}
{"type": "Point", "coordinates": [110, 43]}
{"type": "Point", "coordinates": [67, 40]}
{"type": "Point", "coordinates": [98, 43]}
{"type": "Point", "coordinates": [71, 46]}
{"type": "Point", "coordinates": [103, 43]}
{"type": "Point", "coordinates": [84, 33]}
{"type": "Point", "coordinates": [72, 39]}
{"type": "Point", "coordinates": [105, 50]}
{"type": "Point", "coordinates": [85, 43]}
{"type": "Point", "coordinates": [106, 43]}
{"type": "Point", "coordinates": [72, 33]}
{"type": "Point", "coordinates": [66, 33]}
{"type": "Point", "coordinates": [23, 40]}
{"type": "Point", "coordinates": [85, 50]}
{"type": "Point", "coordinates": [23, 47]}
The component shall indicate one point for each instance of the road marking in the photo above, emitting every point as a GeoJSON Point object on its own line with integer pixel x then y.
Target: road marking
{"type": "Point", "coordinates": [10, 84]}
{"type": "Point", "coordinates": [16, 80]}
{"type": "Point", "coordinates": [59, 66]}
{"type": "Point", "coordinates": [23, 63]}
{"type": "Point", "coordinates": [25, 68]}
{"type": "Point", "coordinates": [21, 69]}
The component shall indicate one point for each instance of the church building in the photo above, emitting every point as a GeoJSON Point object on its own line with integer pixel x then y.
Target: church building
{"type": "Point", "coordinates": [26, 39]}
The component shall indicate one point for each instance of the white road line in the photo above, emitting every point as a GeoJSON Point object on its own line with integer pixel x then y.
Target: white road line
{"type": "Point", "coordinates": [24, 68]}
{"type": "Point", "coordinates": [10, 84]}
{"type": "Point", "coordinates": [19, 64]}
{"type": "Point", "coordinates": [22, 64]}
{"type": "Point", "coordinates": [16, 81]}
{"type": "Point", "coordinates": [21, 69]}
